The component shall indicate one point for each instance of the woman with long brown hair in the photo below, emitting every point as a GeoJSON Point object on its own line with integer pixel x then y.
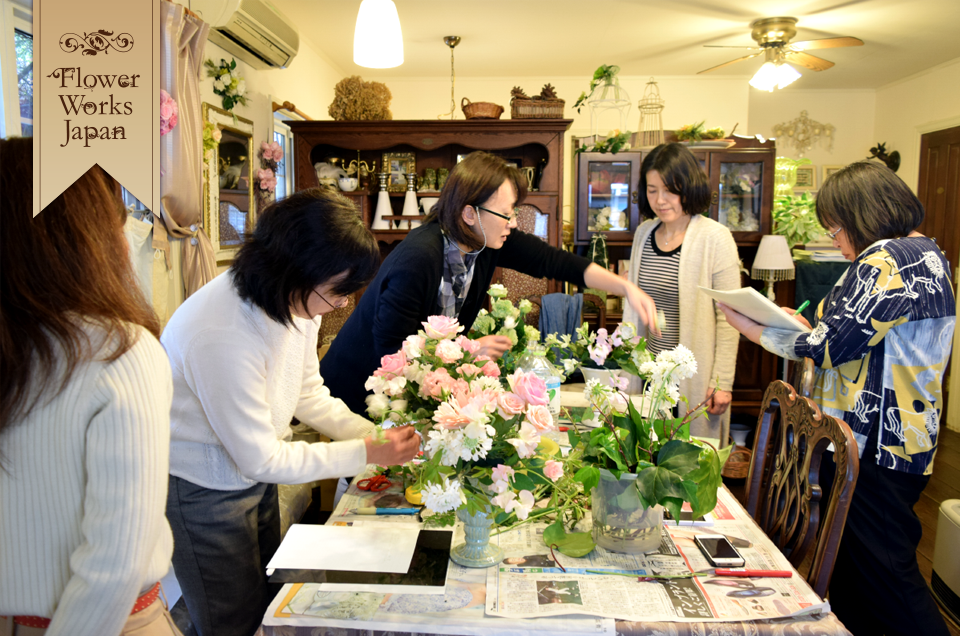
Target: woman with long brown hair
{"type": "Point", "coordinates": [85, 416]}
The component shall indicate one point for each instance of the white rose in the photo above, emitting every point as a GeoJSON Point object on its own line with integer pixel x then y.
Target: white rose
{"type": "Point", "coordinates": [242, 87]}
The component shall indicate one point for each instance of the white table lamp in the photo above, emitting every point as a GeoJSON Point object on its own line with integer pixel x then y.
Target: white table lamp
{"type": "Point", "coordinates": [773, 262]}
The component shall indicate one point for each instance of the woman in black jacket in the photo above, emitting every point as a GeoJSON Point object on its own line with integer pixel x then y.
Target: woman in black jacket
{"type": "Point", "coordinates": [444, 267]}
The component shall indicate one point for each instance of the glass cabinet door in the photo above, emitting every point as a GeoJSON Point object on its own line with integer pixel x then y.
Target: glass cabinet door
{"type": "Point", "coordinates": [741, 182]}
{"type": "Point", "coordinates": [607, 196]}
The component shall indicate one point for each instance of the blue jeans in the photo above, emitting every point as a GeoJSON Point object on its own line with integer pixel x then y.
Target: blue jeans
{"type": "Point", "coordinates": [223, 540]}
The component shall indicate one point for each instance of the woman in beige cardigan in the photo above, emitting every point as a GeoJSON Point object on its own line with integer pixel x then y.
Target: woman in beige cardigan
{"type": "Point", "coordinates": [674, 252]}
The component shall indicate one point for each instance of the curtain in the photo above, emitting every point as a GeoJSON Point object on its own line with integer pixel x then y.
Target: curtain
{"type": "Point", "coordinates": [183, 36]}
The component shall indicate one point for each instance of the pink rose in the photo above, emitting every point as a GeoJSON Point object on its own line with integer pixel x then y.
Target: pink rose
{"type": "Point", "coordinates": [553, 470]}
{"type": "Point", "coordinates": [441, 327]}
{"type": "Point", "coordinates": [169, 112]}
{"type": "Point", "coordinates": [449, 351]}
{"type": "Point", "coordinates": [509, 405]}
{"type": "Point", "coordinates": [217, 135]}
{"type": "Point", "coordinates": [470, 346]}
{"type": "Point", "coordinates": [491, 370]}
{"type": "Point", "coordinates": [540, 417]}
{"type": "Point", "coordinates": [391, 366]}
{"type": "Point", "coordinates": [435, 382]}
{"type": "Point", "coordinates": [469, 370]}
{"type": "Point", "coordinates": [529, 388]}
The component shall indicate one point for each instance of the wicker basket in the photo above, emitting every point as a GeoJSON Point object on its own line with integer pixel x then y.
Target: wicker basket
{"type": "Point", "coordinates": [480, 110]}
{"type": "Point", "coordinates": [738, 464]}
{"type": "Point", "coordinates": [536, 108]}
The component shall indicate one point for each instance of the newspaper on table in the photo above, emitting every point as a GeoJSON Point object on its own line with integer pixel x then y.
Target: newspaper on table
{"type": "Point", "coordinates": [529, 585]}
{"type": "Point", "coordinates": [460, 610]}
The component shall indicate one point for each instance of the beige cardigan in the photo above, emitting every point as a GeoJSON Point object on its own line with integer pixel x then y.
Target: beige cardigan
{"type": "Point", "coordinates": [708, 258]}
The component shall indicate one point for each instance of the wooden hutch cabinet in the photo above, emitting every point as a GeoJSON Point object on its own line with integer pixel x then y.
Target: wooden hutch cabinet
{"type": "Point", "coordinates": [741, 184]}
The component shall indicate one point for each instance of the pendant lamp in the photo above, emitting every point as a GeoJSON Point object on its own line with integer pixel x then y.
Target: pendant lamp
{"type": "Point", "coordinates": [377, 39]}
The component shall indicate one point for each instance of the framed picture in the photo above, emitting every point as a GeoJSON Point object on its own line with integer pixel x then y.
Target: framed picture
{"type": "Point", "coordinates": [829, 170]}
{"type": "Point", "coordinates": [806, 178]}
{"type": "Point", "coordinates": [397, 165]}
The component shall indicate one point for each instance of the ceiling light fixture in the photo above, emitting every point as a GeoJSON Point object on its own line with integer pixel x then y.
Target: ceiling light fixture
{"type": "Point", "coordinates": [775, 73]}
{"type": "Point", "coordinates": [377, 39]}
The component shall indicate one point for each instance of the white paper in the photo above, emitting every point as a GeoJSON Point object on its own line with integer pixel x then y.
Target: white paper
{"type": "Point", "coordinates": [385, 547]}
{"type": "Point", "coordinates": [757, 307]}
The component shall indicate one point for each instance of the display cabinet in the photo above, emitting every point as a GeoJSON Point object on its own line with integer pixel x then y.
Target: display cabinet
{"type": "Point", "coordinates": [607, 197]}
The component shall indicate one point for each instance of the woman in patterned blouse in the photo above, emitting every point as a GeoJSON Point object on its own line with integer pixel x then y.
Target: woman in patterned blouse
{"type": "Point", "coordinates": [881, 342]}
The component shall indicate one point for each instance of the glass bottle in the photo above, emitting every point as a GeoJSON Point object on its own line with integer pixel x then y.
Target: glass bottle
{"type": "Point", "coordinates": [535, 361]}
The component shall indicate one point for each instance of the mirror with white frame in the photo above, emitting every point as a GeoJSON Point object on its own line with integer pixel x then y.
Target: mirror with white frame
{"type": "Point", "coordinates": [229, 205]}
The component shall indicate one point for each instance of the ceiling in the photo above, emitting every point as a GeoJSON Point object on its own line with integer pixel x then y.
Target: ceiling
{"type": "Point", "coordinates": [564, 38]}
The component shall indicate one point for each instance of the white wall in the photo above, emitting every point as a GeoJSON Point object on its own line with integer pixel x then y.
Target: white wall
{"type": "Point", "coordinates": [851, 112]}
{"type": "Point", "coordinates": [721, 102]}
{"type": "Point", "coordinates": [920, 104]}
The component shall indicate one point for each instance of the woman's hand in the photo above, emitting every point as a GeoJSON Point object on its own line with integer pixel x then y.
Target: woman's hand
{"type": "Point", "coordinates": [644, 306]}
{"type": "Point", "coordinates": [402, 444]}
{"type": "Point", "coordinates": [798, 317]}
{"type": "Point", "coordinates": [718, 401]}
{"type": "Point", "coordinates": [494, 346]}
{"type": "Point", "coordinates": [741, 323]}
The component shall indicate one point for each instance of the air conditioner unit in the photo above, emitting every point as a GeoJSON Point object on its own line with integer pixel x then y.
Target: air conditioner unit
{"type": "Point", "coordinates": [252, 30]}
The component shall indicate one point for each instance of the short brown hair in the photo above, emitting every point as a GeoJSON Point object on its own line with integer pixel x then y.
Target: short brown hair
{"type": "Point", "coordinates": [61, 268]}
{"type": "Point", "coordinates": [472, 182]}
{"type": "Point", "coordinates": [681, 172]}
{"type": "Point", "coordinates": [870, 202]}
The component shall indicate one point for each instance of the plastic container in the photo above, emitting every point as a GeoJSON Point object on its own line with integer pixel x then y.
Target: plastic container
{"type": "Point", "coordinates": [535, 361]}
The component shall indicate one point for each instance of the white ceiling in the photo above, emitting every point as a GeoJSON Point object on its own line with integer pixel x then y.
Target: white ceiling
{"type": "Point", "coordinates": [564, 38]}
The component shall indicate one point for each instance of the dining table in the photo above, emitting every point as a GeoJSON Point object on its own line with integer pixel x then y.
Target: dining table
{"type": "Point", "coordinates": [464, 609]}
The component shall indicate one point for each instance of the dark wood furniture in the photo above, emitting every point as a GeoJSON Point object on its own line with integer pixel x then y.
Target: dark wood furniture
{"type": "Point", "coordinates": [783, 490]}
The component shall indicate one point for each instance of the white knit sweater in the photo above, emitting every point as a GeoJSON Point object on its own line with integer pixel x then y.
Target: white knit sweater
{"type": "Point", "coordinates": [239, 377]}
{"type": "Point", "coordinates": [708, 258]}
{"type": "Point", "coordinates": [83, 494]}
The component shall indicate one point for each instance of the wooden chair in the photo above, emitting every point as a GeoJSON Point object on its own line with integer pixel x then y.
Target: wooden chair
{"type": "Point", "coordinates": [783, 493]}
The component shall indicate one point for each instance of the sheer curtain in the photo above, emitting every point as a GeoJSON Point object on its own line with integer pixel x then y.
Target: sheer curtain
{"type": "Point", "coordinates": [183, 36]}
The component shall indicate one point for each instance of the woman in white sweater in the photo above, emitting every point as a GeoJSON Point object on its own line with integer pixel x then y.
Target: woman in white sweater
{"type": "Point", "coordinates": [244, 356]}
{"type": "Point", "coordinates": [85, 416]}
{"type": "Point", "coordinates": [674, 252]}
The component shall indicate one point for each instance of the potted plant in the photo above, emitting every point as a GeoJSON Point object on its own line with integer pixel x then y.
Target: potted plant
{"type": "Point", "coordinates": [642, 459]}
{"type": "Point", "coordinates": [599, 354]}
{"type": "Point", "coordinates": [795, 218]}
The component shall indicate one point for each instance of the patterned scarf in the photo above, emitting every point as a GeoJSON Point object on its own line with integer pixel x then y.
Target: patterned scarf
{"type": "Point", "coordinates": [457, 276]}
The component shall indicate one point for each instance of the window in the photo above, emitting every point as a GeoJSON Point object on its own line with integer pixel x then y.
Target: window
{"type": "Point", "coordinates": [16, 69]}
{"type": "Point", "coordinates": [284, 136]}
{"type": "Point", "coordinates": [24, 45]}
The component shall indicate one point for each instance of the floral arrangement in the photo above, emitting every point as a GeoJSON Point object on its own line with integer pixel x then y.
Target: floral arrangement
{"type": "Point", "coordinates": [169, 112]}
{"type": "Point", "coordinates": [695, 132]}
{"type": "Point", "coordinates": [606, 74]}
{"type": "Point", "coordinates": [505, 319]}
{"type": "Point", "coordinates": [624, 348]}
{"type": "Point", "coordinates": [270, 154]}
{"type": "Point", "coordinates": [481, 429]}
{"type": "Point", "coordinates": [211, 139]}
{"type": "Point", "coordinates": [613, 143]}
{"type": "Point", "coordinates": [227, 83]}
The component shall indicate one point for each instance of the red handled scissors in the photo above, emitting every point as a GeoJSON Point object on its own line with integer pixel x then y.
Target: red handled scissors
{"type": "Point", "coordinates": [375, 483]}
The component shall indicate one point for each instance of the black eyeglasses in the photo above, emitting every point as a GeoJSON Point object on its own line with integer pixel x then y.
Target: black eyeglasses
{"type": "Point", "coordinates": [502, 216]}
{"type": "Point", "coordinates": [340, 305]}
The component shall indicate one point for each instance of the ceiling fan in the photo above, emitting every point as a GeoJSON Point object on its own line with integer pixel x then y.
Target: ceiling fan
{"type": "Point", "coordinates": [773, 37]}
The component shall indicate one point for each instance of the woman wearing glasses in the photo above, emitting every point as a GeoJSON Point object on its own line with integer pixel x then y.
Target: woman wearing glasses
{"type": "Point", "coordinates": [881, 342]}
{"type": "Point", "coordinates": [445, 266]}
{"type": "Point", "coordinates": [244, 356]}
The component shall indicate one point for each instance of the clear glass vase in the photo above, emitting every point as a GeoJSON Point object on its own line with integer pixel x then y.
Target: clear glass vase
{"type": "Point", "coordinates": [477, 551]}
{"type": "Point", "coordinates": [621, 523]}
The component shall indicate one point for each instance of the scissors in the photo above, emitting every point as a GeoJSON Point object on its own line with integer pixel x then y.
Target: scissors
{"type": "Point", "coordinates": [375, 483]}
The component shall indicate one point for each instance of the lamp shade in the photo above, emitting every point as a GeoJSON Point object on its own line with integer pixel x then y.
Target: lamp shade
{"type": "Point", "coordinates": [773, 261]}
{"type": "Point", "coordinates": [377, 39]}
{"type": "Point", "coordinates": [774, 75]}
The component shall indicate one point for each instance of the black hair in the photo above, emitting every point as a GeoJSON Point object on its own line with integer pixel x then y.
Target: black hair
{"type": "Point", "coordinates": [301, 242]}
{"type": "Point", "coordinates": [681, 173]}
{"type": "Point", "coordinates": [870, 202]}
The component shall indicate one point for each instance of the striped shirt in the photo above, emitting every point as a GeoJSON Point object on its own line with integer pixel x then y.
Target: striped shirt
{"type": "Point", "coordinates": [658, 277]}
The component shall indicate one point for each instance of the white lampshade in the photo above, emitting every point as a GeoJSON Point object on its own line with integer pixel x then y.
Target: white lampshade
{"type": "Point", "coordinates": [377, 39]}
{"type": "Point", "coordinates": [774, 75]}
{"type": "Point", "coordinates": [383, 209]}
{"type": "Point", "coordinates": [773, 261]}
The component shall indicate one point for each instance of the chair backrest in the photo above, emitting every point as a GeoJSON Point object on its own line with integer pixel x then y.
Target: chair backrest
{"type": "Point", "coordinates": [531, 220]}
{"type": "Point", "coordinates": [784, 495]}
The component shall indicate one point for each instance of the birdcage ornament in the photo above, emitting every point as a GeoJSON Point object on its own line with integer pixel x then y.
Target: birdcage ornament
{"type": "Point", "coordinates": [608, 95]}
{"type": "Point", "coordinates": [650, 130]}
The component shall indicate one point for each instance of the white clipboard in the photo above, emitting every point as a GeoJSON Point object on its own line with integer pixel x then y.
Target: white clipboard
{"type": "Point", "coordinates": [757, 307]}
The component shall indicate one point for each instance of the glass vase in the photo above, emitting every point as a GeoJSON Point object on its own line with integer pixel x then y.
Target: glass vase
{"type": "Point", "coordinates": [621, 523]}
{"type": "Point", "coordinates": [477, 551]}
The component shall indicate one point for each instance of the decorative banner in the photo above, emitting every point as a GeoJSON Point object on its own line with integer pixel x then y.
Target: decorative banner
{"type": "Point", "coordinates": [96, 95]}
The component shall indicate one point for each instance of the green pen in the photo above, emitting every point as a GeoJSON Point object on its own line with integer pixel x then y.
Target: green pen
{"type": "Point", "coordinates": [801, 308]}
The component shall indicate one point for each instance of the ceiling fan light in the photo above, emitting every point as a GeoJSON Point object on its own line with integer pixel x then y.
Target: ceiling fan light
{"type": "Point", "coordinates": [786, 75]}
{"type": "Point", "coordinates": [377, 39]}
{"type": "Point", "coordinates": [766, 78]}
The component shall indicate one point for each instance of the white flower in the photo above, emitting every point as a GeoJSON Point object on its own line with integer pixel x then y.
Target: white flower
{"type": "Point", "coordinates": [443, 497]}
{"type": "Point", "coordinates": [497, 291]}
{"type": "Point", "coordinates": [414, 372]}
{"type": "Point", "coordinates": [509, 322]}
{"type": "Point", "coordinates": [626, 330]}
{"type": "Point", "coordinates": [374, 383]}
{"type": "Point", "coordinates": [504, 499]}
{"type": "Point", "coordinates": [242, 87]}
{"type": "Point", "coordinates": [522, 505]}
{"type": "Point", "coordinates": [377, 405]}
{"type": "Point", "coordinates": [484, 383]}
{"type": "Point", "coordinates": [525, 306]}
{"type": "Point", "coordinates": [217, 85]}
{"type": "Point", "coordinates": [526, 444]}
{"type": "Point", "coordinates": [569, 366]}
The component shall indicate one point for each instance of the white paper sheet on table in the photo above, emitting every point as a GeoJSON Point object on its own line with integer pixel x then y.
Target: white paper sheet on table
{"type": "Point", "coordinates": [757, 307]}
{"type": "Point", "coordinates": [367, 548]}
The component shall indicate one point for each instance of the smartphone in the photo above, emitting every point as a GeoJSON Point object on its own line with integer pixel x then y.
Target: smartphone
{"type": "Point", "coordinates": [719, 551]}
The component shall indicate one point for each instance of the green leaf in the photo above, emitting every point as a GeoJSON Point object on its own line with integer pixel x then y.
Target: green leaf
{"type": "Point", "coordinates": [674, 505]}
{"type": "Point", "coordinates": [589, 476]}
{"type": "Point", "coordinates": [523, 482]}
{"type": "Point", "coordinates": [679, 457]}
{"type": "Point", "coordinates": [574, 436]}
{"type": "Point", "coordinates": [574, 544]}
{"type": "Point", "coordinates": [657, 483]}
